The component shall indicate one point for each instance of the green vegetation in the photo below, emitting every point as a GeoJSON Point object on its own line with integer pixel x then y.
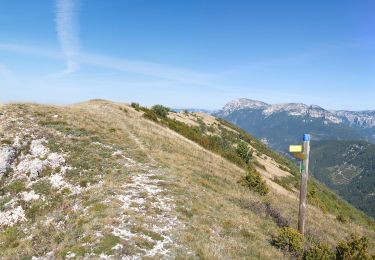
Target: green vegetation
{"type": "Point", "coordinates": [106, 243]}
{"type": "Point", "coordinates": [134, 105]}
{"type": "Point", "coordinates": [9, 238]}
{"type": "Point", "coordinates": [289, 240]}
{"type": "Point", "coordinates": [254, 182]}
{"type": "Point", "coordinates": [228, 144]}
{"type": "Point", "coordinates": [15, 187]}
{"type": "Point", "coordinates": [354, 248]}
{"type": "Point", "coordinates": [348, 168]}
{"type": "Point", "coordinates": [160, 110]}
{"type": "Point", "coordinates": [244, 152]}
{"type": "Point", "coordinates": [319, 252]}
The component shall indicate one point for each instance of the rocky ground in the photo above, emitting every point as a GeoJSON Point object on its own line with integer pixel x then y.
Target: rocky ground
{"type": "Point", "coordinates": [38, 191]}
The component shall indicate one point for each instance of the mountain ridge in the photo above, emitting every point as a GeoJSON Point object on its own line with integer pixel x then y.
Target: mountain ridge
{"type": "Point", "coordinates": [362, 119]}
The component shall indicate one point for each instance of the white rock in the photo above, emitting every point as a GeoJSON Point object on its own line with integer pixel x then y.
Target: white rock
{"type": "Point", "coordinates": [38, 149]}
{"type": "Point", "coordinates": [117, 247]}
{"type": "Point", "coordinates": [13, 216]}
{"type": "Point", "coordinates": [55, 160]}
{"type": "Point", "coordinates": [29, 196]}
{"type": "Point", "coordinates": [34, 166]}
{"type": "Point", "coordinates": [7, 155]}
{"type": "Point", "coordinates": [57, 181]}
{"type": "Point", "coordinates": [70, 255]}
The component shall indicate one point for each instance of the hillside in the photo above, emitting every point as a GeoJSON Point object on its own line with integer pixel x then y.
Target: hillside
{"type": "Point", "coordinates": [348, 168]}
{"type": "Point", "coordinates": [109, 180]}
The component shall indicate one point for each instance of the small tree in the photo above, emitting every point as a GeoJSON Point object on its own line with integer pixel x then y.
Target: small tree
{"type": "Point", "coordinates": [253, 180]}
{"type": "Point", "coordinates": [160, 110]}
{"type": "Point", "coordinates": [244, 152]}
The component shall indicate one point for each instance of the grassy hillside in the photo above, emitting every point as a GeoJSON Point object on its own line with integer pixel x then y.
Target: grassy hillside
{"type": "Point", "coordinates": [107, 179]}
{"type": "Point", "coordinates": [348, 168]}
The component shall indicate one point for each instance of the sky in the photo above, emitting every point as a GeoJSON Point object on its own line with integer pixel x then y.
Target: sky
{"type": "Point", "coordinates": [189, 54]}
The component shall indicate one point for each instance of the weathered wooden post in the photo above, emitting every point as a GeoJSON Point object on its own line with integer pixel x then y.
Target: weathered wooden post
{"type": "Point", "coordinates": [302, 153]}
{"type": "Point", "coordinates": [303, 189]}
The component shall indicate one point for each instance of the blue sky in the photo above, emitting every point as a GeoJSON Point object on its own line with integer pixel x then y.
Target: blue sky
{"type": "Point", "coordinates": [196, 53]}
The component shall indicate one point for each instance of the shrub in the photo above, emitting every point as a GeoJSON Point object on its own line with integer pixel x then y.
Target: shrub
{"type": "Point", "coordinates": [244, 152]}
{"type": "Point", "coordinates": [160, 110]}
{"type": "Point", "coordinates": [254, 182]}
{"type": "Point", "coordinates": [150, 115]}
{"type": "Point", "coordinates": [134, 105]}
{"type": "Point", "coordinates": [355, 248]}
{"type": "Point", "coordinates": [289, 239]}
{"type": "Point", "coordinates": [319, 252]}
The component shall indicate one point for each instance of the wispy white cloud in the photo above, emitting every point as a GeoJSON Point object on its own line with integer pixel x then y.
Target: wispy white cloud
{"type": "Point", "coordinates": [151, 69]}
{"type": "Point", "coordinates": [67, 29]}
{"type": "Point", "coordinates": [148, 68]}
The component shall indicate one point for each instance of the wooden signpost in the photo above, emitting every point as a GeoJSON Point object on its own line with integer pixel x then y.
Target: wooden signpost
{"type": "Point", "coordinates": [302, 153]}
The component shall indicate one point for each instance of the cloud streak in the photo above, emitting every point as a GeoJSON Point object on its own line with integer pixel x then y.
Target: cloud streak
{"type": "Point", "coordinates": [150, 69]}
{"type": "Point", "coordinates": [68, 33]}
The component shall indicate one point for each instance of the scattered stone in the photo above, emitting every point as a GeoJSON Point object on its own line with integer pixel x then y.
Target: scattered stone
{"type": "Point", "coordinates": [29, 196]}
{"type": "Point", "coordinates": [13, 216]}
{"type": "Point", "coordinates": [7, 156]}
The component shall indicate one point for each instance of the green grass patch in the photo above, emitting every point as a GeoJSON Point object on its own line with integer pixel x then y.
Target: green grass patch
{"type": "Point", "coordinates": [106, 243]}
{"type": "Point", "coordinates": [9, 238]}
{"type": "Point", "coordinates": [15, 187]}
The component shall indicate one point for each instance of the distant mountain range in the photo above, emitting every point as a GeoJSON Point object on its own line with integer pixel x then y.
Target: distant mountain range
{"type": "Point", "coordinates": [279, 125]}
{"type": "Point", "coordinates": [343, 142]}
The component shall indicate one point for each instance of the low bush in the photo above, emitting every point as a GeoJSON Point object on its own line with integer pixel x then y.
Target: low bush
{"type": "Point", "coordinates": [289, 239]}
{"type": "Point", "coordinates": [254, 182]}
{"type": "Point", "coordinates": [134, 105]}
{"type": "Point", "coordinates": [319, 252]}
{"type": "Point", "coordinates": [354, 248]}
{"type": "Point", "coordinates": [160, 110]}
{"type": "Point", "coordinates": [150, 115]}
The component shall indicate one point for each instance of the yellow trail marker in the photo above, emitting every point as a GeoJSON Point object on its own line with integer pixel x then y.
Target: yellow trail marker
{"type": "Point", "coordinates": [295, 148]}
